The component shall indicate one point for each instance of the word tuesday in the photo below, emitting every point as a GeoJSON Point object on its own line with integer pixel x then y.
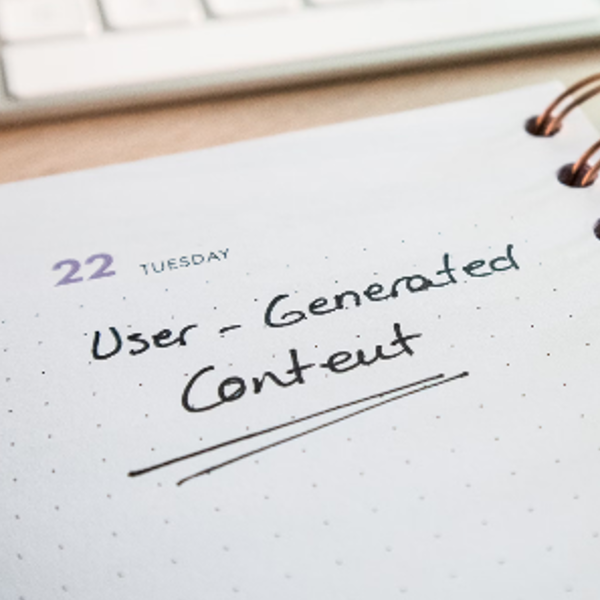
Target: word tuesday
{"type": "Point", "coordinates": [183, 262]}
{"type": "Point", "coordinates": [277, 315]}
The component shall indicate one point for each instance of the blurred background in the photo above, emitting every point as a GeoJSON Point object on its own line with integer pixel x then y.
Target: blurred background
{"type": "Point", "coordinates": [93, 82]}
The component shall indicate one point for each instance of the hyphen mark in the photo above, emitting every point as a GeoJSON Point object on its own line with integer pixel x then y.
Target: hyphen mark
{"type": "Point", "coordinates": [224, 330]}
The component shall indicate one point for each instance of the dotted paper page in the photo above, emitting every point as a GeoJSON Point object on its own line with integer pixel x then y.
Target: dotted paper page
{"type": "Point", "coordinates": [356, 362]}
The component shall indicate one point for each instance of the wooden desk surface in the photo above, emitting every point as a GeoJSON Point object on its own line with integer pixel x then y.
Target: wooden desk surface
{"type": "Point", "coordinates": [61, 146]}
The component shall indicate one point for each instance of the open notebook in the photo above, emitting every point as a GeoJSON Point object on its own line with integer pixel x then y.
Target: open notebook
{"type": "Point", "coordinates": [356, 362]}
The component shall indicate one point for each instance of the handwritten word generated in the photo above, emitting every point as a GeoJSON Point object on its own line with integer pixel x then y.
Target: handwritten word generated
{"type": "Point", "coordinates": [277, 315]}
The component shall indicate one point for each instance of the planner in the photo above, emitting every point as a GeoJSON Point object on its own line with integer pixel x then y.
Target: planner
{"type": "Point", "coordinates": [354, 362]}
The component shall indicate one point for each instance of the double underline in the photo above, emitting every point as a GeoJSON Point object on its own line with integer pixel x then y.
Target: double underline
{"type": "Point", "coordinates": [372, 402]}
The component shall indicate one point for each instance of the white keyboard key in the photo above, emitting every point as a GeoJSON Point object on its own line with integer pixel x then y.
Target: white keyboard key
{"type": "Point", "coordinates": [22, 20]}
{"type": "Point", "coordinates": [232, 52]}
{"type": "Point", "coordinates": [336, 2]}
{"type": "Point", "coordinates": [235, 8]}
{"type": "Point", "coordinates": [129, 14]}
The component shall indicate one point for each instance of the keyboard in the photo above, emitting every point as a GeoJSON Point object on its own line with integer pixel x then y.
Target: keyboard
{"type": "Point", "coordinates": [68, 56]}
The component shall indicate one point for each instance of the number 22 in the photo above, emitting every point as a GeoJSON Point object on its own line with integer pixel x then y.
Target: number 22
{"type": "Point", "coordinates": [74, 266]}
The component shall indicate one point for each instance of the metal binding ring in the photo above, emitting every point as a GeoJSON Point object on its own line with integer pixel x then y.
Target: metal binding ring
{"type": "Point", "coordinates": [546, 124]}
{"type": "Point", "coordinates": [580, 173]}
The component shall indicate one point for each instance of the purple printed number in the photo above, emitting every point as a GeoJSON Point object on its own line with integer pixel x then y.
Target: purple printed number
{"type": "Point", "coordinates": [107, 260]}
{"type": "Point", "coordinates": [73, 266]}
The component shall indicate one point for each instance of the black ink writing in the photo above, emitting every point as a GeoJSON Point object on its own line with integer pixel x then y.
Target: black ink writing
{"type": "Point", "coordinates": [277, 313]}
{"type": "Point", "coordinates": [113, 343]}
{"type": "Point", "coordinates": [234, 388]}
{"type": "Point", "coordinates": [286, 424]}
{"type": "Point", "coordinates": [389, 396]}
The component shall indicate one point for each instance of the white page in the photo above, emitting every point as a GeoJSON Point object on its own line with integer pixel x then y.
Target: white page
{"type": "Point", "coordinates": [484, 486]}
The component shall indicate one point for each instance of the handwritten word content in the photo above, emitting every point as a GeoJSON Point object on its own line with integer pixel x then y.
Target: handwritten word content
{"type": "Point", "coordinates": [234, 388]}
{"type": "Point", "coordinates": [183, 262]}
{"type": "Point", "coordinates": [279, 315]}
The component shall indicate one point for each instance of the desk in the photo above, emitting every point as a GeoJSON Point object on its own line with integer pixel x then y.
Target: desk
{"type": "Point", "coordinates": [60, 146]}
